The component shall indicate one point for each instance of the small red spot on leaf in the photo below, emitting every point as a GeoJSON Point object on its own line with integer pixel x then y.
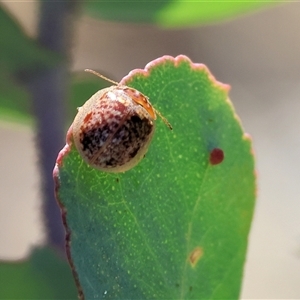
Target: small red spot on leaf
{"type": "Point", "coordinates": [216, 156]}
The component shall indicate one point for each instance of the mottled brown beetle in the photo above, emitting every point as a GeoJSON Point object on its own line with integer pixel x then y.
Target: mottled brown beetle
{"type": "Point", "coordinates": [113, 129]}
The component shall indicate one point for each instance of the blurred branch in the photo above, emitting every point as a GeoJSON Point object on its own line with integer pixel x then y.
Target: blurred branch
{"type": "Point", "coordinates": [49, 90]}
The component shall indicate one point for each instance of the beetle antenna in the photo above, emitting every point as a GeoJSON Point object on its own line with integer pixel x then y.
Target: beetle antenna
{"type": "Point", "coordinates": [117, 83]}
{"type": "Point", "coordinates": [164, 119]}
{"type": "Point", "coordinates": [101, 76]}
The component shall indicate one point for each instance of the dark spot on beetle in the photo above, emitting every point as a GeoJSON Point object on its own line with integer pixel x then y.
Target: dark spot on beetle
{"type": "Point", "coordinates": [93, 138]}
{"type": "Point", "coordinates": [195, 255]}
{"type": "Point", "coordinates": [133, 153]}
{"type": "Point", "coordinates": [136, 119]}
{"type": "Point", "coordinates": [110, 162]}
{"type": "Point", "coordinates": [216, 156]}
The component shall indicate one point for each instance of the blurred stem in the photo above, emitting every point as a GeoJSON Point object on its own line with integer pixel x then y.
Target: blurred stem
{"type": "Point", "coordinates": [49, 90]}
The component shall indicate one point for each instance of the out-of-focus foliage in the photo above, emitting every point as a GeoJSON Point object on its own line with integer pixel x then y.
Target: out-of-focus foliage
{"type": "Point", "coordinates": [172, 13]}
{"type": "Point", "coordinates": [44, 275]}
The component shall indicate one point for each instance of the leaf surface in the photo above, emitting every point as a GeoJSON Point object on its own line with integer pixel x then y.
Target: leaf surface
{"type": "Point", "coordinates": [176, 225]}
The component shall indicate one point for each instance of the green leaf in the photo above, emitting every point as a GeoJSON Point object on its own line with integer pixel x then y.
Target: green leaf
{"type": "Point", "coordinates": [44, 276]}
{"type": "Point", "coordinates": [126, 11]}
{"type": "Point", "coordinates": [171, 12]}
{"type": "Point", "coordinates": [176, 225]}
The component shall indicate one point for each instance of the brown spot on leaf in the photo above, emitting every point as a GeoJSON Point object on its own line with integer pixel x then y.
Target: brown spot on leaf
{"type": "Point", "coordinates": [195, 255]}
{"type": "Point", "coordinates": [216, 156]}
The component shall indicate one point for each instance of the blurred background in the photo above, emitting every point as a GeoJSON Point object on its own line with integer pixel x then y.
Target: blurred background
{"type": "Point", "coordinates": [258, 55]}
